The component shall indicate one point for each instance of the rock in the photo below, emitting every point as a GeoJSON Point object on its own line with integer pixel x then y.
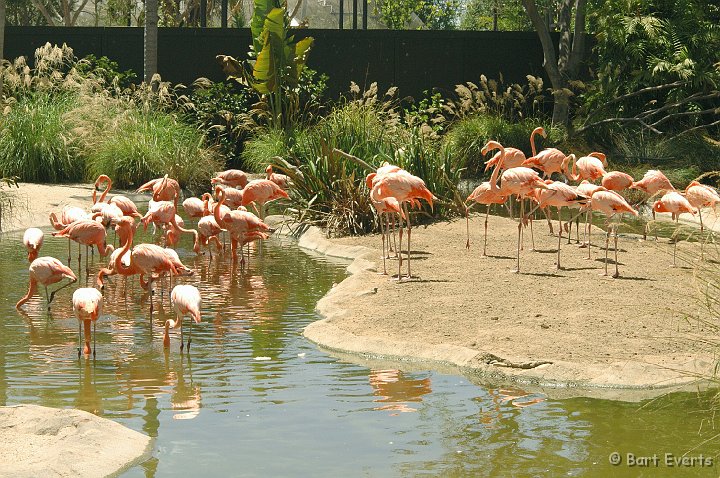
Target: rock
{"type": "Point", "coordinates": [50, 442]}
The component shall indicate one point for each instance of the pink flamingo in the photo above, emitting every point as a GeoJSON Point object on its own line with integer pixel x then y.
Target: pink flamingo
{"type": "Point", "coordinates": [260, 192]}
{"type": "Point", "coordinates": [560, 195]}
{"type": "Point", "coordinates": [233, 197]}
{"type": "Point", "coordinates": [46, 270]}
{"type": "Point", "coordinates": [610, 203]}
{"type": "Point", "coordinates": [238, 223]}
{"type": "Point", "coordinates": [654, 182]}
{"type": "Point", "coordinates": [164, 213]}
{"type": "Point", "coordinates": [193, 207]}
{"type": "Point", "coordinates": [87, 305]}
{"type": "Point", "coordinates": [590, 167]}
{"type": "Point", "coordinates": [231, 177]}
{"type": "Point", "coordinates": [89, 233]}
{"type": "Point", "coordinates": [699, 196]}
{"type": "Point", "coordinates": [163, 189]}
{"type": "Point", "coordinates": [617, 181]}
{"type": "Point", "coordinates": [586, 188]}
{"type": "Point", "coordinates": [676, 204]}
{"type": "Point", "coordinates": [549, 160]}
{"type": "Point", "coordinates": [404, 187]}
{"type": "Point", "coordinates": [483, 194]}
{"type": "Point", "coordinates": [33, 241]}
{"type": "Point", "coordinates": [68, 215]}
{"type": "Point", "coordinates": [127, 207]}
{"type": "Point", "coordinates": [520, 181]}
{"type": "Point", "coordinates": [370, 181]}
{"type": "Point", "coordinates": [186, 301]}
{"type": "Point", "coordinates": [383, 208]}
{"type": "Point", "coordinates": [281, 180]}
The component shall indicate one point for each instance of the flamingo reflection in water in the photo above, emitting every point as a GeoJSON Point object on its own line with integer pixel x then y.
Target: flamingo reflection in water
{"type": "Point", "coordinates": [395, 390]}
{"type": "Point", "coordinates": [500, 397]}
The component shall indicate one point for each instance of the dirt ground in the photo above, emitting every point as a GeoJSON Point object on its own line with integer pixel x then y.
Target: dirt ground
{"type": "Point", "coordinates": [568, 327]}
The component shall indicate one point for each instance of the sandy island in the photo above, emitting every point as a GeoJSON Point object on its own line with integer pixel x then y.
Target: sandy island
{"type": "Point", "coordinates": [569, 329]}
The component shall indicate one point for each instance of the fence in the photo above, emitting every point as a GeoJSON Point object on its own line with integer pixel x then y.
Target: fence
{"type": "Point", "coordinates": [414, 61]}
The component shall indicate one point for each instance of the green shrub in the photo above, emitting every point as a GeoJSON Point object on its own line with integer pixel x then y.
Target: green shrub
{"type": "Point", "coordinates": [467, 136]}
{"type": "Point", "coordinates": [258, 151]}
{"type": "Point", "coordinates": [36, 141]}
{"type": "Point", "coordinates": [138, 146]}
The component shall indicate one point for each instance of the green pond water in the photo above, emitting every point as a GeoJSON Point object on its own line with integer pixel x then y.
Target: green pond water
{"type": "Point", "coordinates": [254, 398]}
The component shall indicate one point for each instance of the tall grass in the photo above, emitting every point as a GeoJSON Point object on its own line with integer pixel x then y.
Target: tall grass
{"type": "Point", "coordinates": [468, 135]}
{"type": "Point", "coordinates": [329, 189]}
{"type": "Point", "coordinates": [142, 145]}
{"type": "Point", "coordinates": [36, 141]}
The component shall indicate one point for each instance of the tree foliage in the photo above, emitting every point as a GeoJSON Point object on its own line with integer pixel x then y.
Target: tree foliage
{"type": "Point", "coordinates": [511, 16]}
{"type": "Point", "coordinates": [434, 14]}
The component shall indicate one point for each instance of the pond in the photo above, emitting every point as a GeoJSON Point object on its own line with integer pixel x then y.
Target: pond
{"type": "Point", "coordinates": [254, 398]}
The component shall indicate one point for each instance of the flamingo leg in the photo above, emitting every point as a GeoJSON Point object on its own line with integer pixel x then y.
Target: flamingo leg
{"type": "Point", "coordinates": [409, 232]}
{"type": "Point", "coordinates": [69, 254]}
{"type": "Point", "coordinates": [467, 226]}
{"type": "Point", "coordinates": [677, 239]}
{"type": "Point", "coordinates": [398, 250]}
{"type": "Point", "coordinates": [702, 228]}
{"type": "Point", "coordinates": [607, 246]}
{"type": "Point", "coordinates": [487, 215]}
{"type": "Point", "coordinates": [152, 306]}
{"type": "Point", "coordinates": [79, 259]}
{"type": "Point", "coordinates": [577, 229]}
{"type": "Point", "coordinates": [189, 335]}
{"type": "Point", "coordinates": [559, 237]}
{"type": "Point", "coordinates": [520, 225]}
{"type": "Point", "coordinates": [547, 216]}
{"type": "Point", "coordinates": [47, 297]}
{"type": "Point", "coordinates": [588, 231]}
{"type": "Point", "coordinates": [79, 337]}
{"type": "Point", "coordinates": [182, 339]}
{"type": "Point", "coordinates": [510, 209]}
{"type": "Point", "coordinates": [94, 340]}
{"type": "Point", "coordinates": [382, 218]}
{"type": "Point", "coordinates": [393, 248]}
{"type": "Point", "coordinates": [617, 270]}
{"type": "Point", "coordinates": [532, 236]}
{"type": "Point", "coordinates": [52, 294]}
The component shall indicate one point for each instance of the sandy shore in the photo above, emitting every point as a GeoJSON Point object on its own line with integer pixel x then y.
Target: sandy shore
{"type": "Point", "coordinates": [545, 328]}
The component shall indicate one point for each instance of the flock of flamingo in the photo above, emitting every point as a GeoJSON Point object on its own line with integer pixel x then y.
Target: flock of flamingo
{"type": "Point", "coordinates": [392, 190]}
{"type": "Point", "coordinates": [150, 261]}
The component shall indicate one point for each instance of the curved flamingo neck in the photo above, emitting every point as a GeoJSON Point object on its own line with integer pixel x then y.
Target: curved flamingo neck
{"type": "Point", "coordinates": [571, 172]}
{"type": "Point", "coordinates": [498, 167]}
{"type": "Point", "coordinates": [218, 206]}
{"type": "Point", "coordinates": [32, 289]}
{"type": "Point", "coordinates": [119, 266]}
{"type": "Point", "coordinates": [532, 142]}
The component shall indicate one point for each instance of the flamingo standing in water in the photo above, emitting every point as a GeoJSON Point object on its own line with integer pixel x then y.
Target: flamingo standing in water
{"type": "Point", "coordinates": [164, 212]}
{"type": "Point", "coordinates": [33, 241]}
{"type": "Point", "coordinates": [127, 207]}
{"type": "Point", "coordinates": [260, 192]}
{"type": "Point", "coordinates": [231, 177]}
{"type": "Point", "coordinates": [46, 270]}
{"type": "Point", "coordinates": [483, 194]}
{"type": "Point", "coordinates": [89, 233]}
{"type": "Point", "coordinates": [617, 181]}
{"type": "Point", "coordinates": [404, 187]}
{"type": "Point", "coordinates": [193, 207]}
{"type": "Point", "coordinates": [68, 215]}
{"type": "Point", "coordinates": [242, 225]}
{"type": "Point", "coordinates": [87, 305]}
{"type": "Point", "coordinates": [186, 301]}
{"type": "Point", "coordinates": [700, 196]}
{"type": "Point", "coordinates": [676, 204]}
{"type": "Point", "coordinates": [163, 189]}
{"type": "Point", "coordinates": [520, 181]}
{"type": "Point", "coordinates": [610, 203]}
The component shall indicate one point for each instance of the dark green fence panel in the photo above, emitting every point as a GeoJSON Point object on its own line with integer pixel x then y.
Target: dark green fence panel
{"type": "Point", "coordinates": [414, 61]}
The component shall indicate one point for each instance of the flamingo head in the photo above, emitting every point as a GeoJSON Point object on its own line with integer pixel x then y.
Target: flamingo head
{"type": "Point", "coordinates": [269, 169]}
{"type": "Point", "coordinates": [601, 156]}
{"type": "Point", "coordinates": [540, 130]}
{"type": "Point", "coordinates": [369, 179]}
{"type": "Point", "coordinates": [491, 145]}
{"type": "Point", "coordinates": [659, 206]}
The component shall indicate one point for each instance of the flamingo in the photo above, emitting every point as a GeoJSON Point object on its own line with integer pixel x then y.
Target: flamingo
{"type": "Point", "coordinates": [163, 189]}
{"type": "Point", "coordinates": [164, 213]}
{"type": "Point", "coordinates": [127, 207]}
{"type": "Point", "coordinates": [260, 192]}
{"type": "Point", "coordinates": [238, 223]}
{"type": "Point", "coordinates": [233, 196]}
{"type": "Point", "coordinates": [87, 305]}
{"type": "Point", "coordinates": [590, 167]}
{"type": "Point", "coordinates": [193, 207]}
{"type": "Point", "coordinates": [654, 182]}
{"type": "Point", "coordinates": [68, 215]}
{"type": "Point", "coordinates": [230, 177]}
{"type": "Point", "coordinates": [404, 187]}
{"type": "Point", "coordinates": [208, 230]}
{"type": "Point", "coordinates": [89, 233]}
{"type": "Point", "coordinates": [483, 194]}
{"type": "Point", "coordinates": [383, 208]}
{"type": "Point", "coordinates": [186, 301]}
{"type": "Point", "coordinates": [699, 196]}
{"type": "Point", "coordinates": [560, 195]}
{"type": "Point", "coordinates": [33, 241]}
{"type": "Point", "coordinates": [520, 181]}
{"type": "Point", "coordinates": [46, 270]}
{"type": "Point", "coordinates": [587, 188]}
{"type": "Point", "coordinates": [281, 180]}
{"type": "Point", "coordinates": [549, 160]}
{"type": "Point", "coordinates": [610, 203]}
{"type": "Point", "coordinates": [676, 204]}
{"type": "Point", "coordinates": [370, 181]}
{"type": "Point", "coordinates": [617, 181]}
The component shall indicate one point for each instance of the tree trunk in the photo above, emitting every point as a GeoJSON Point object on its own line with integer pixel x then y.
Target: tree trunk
{"type": "Point", "coordinates": [151, 39]}
{"type": "Point", "coordinates": [2, 36]}
{"type": "Point", "coordinates": [565, 66]}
